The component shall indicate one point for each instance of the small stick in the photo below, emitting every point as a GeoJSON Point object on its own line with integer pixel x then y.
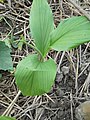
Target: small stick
{"type": "Point", "coordinates": [76, 81]}
{"type": "Point", "coordinates": [84, 69]}
{"type": "Point", "coordinates": [58, 68]}
{"type": "Point", "coordinates": [7, 111]}
{"type": "Point", "coordinates": [80, 9]}
{"type": "Point", "coordinates": [9, 3]}
{"type": "Point", "coordinates": [85, 85]}
{"type": "Point", "coordinates": [49, 98]}
{"type": "Point", "coordinates": [2, 7]}
{"type": "Point", "coordinates": [71, 99]}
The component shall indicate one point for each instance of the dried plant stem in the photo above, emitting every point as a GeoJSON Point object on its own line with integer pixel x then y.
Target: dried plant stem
{"type": "Point", "coordinates": [79, 8]}
{"type": "Point", "coordinates": [76, 81]}
{"type": "Point", "coordinates": [85, 85]}
{"type": "Point", "coordinates": [58, 68]}
{"type": "Point", "coordinates": [71, 101]}
{"type": "Point", "coordinates": [7, 111]}
{"type": "Point", "coordinates": [49, 98]}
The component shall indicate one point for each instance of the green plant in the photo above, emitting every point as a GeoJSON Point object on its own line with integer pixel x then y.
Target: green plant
{"type": "Point", "coordinates": [34, 74]}
{"type": "Point", "coordinates": [6, 118]}
{"type": "Point", "coordinates": [5, 57]}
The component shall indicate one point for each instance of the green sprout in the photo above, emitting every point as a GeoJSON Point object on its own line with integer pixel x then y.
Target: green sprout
{"type": "Point", "coordinates": [34, 74]}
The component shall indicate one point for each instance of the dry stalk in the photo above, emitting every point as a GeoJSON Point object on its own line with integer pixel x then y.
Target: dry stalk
{"type": "Point", "coordinates": [7, 111]}
{"type": "Point", "coordinates": [85, 85]}
{"type": "Point", "coordinates": [80, 9]}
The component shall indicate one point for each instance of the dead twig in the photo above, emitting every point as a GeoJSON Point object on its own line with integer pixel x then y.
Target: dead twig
{"type": "Point", "coordinates": [80, 9]}
{"type": "Point", "coordinates": [85, 85]}
{"type": "Point", "coordinates": [7, 111]}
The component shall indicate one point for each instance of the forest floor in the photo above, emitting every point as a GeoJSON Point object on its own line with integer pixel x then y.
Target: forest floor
{"type": "Point", "coordinates": [73, 67]}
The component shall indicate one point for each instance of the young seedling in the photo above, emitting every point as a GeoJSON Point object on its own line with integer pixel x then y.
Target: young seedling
{"type": "Point", "coordinates": [34, 74]}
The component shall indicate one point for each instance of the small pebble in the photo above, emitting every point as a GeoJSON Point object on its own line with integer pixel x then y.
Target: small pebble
{"type": "Point", "coordinates": [65, 70]}
{"type": "Point", "coordinates": [83, 111]}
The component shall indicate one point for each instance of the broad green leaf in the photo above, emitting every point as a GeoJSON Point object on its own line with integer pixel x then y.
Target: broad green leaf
{"type": "Point", "coordinates": [41, 24]}
{"type": "Point", "coordinates": [34, 77]}
{"type": "Point", "coordinates": [5, 57]}
{"type": "Point", "coordinates": [7, 42]}
{"type": "Point", "coordinates": [70, 33]}
{"type": "Point", "coordinates": [6, 118]}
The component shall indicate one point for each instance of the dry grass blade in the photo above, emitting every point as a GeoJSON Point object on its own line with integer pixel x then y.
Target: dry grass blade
{"type": "Point", "coordinates": [7, 111]}
{"type": "Point", "coordinates": [80, 9]}
{"type": "Point", "coordinates": [85, 85]}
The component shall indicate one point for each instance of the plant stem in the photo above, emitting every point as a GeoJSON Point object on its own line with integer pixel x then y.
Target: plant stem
{"type": "Point", "coordinates": [41, 56]}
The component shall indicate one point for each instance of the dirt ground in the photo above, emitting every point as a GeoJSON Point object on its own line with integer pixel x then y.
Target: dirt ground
{"type": "Point", "coordinates": [73, 67]}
